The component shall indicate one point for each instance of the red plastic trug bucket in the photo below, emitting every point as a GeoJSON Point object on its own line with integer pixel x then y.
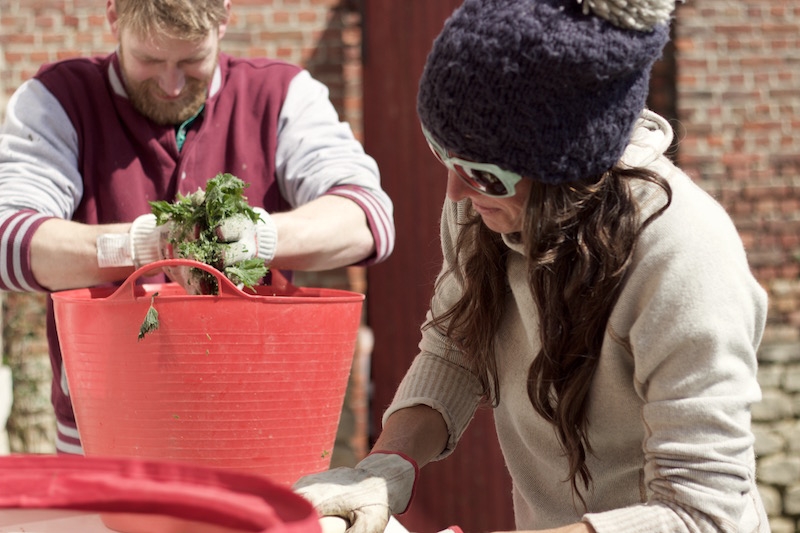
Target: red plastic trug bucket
{"type": "Point", "coordinates": [143, 496]}
{"type": "Point", "coordinates": [248, 382]}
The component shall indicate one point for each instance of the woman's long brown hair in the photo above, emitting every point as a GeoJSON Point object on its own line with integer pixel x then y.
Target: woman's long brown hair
{"type": "Point", "coordinates": [579, 239]}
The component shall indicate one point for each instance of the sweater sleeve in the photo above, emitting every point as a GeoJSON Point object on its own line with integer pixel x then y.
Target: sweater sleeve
{"type": "Point", "coordinates": [318, 154]}
{"type": "Point", "coordinates": [38, 177]}
{"type": "Point", "coordinates": [693, 315]}
{"type": "Point", "coordinates": [440, 376]}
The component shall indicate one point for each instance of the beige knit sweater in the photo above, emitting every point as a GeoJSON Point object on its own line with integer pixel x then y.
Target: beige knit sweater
{"type": "Point", "coordinates": [669, 418]}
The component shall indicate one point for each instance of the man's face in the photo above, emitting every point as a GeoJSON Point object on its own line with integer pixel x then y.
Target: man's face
{"type": "Point", "coordinates": [167, 79]}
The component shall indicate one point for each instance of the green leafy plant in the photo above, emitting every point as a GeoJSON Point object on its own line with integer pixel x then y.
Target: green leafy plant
{"type": "Point", "coordinates": [150, 322]}
{"type": "Point", "coordinates": [193, 220]}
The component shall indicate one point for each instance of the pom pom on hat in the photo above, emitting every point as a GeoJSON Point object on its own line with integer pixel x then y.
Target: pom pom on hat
{"type": "Point", "coordinates": [550, 89]}
{"type": "Point", "coordinates": [635, 14]}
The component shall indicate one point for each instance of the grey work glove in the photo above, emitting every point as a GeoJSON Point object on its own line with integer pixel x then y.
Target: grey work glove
{"type": "Point", "coordinates": [367, 495]}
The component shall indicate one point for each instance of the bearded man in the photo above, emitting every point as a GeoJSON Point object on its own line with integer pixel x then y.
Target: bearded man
{"type": "Point", "coordinates": [87, 143]}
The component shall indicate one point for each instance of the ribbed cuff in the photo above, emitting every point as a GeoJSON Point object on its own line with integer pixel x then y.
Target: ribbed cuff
{"type": "Point", "coordinates": [266, 236]}
{"type": "Point", "coordinates": [641, 518]}
{"type": "Point", "coordinates": [443, 386]}
{"type": "Point", "coordinates": [144, 240]}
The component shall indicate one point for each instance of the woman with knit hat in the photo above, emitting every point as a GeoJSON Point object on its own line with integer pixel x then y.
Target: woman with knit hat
{"type": "Point", "coordinates": [591, 294]}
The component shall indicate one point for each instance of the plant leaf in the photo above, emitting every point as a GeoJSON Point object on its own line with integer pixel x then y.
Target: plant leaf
{"type": "Point", "coordinates": [150, 322]}
{"type": "Point", "coordinates": [248, 272]}
{"type": "Point", "coordinates": [194, 219]}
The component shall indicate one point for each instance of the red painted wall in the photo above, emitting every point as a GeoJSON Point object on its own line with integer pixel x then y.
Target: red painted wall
{"type": "Point", "coordinates": [471, 488]}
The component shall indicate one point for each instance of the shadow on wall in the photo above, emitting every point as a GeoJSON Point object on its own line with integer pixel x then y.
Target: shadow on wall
{"type": "Point", "coordinates": [336, 61]}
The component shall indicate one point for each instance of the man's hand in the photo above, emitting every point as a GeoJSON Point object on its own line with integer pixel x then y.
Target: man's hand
{"type": "Point", "coordinates": [367, 495]}
{"type": "Point", "coordinates": [247, 239]}
{"type": "Point", "coordinates": [146, 242]}
{"type": "Point", "coordinates": [240, 238]}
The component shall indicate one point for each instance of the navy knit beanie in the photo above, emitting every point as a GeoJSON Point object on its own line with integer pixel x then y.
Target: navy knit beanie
{"type": "Point", "coordinates": [549, 89]}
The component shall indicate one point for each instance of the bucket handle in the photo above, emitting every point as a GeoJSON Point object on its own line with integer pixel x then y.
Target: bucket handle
{"type": "Point", "coordinates": [226, 286]}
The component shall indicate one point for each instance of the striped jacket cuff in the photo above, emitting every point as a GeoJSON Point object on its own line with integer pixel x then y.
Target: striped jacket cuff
{"type": "Point", "coordinates": [16, 231]}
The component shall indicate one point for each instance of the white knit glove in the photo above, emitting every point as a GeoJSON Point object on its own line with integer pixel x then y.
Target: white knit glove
{"type": "Point", "coordinates": [246, 239]}
{"type": "Point", "coordinates": [146, 242]}
{"type": "Point", "coordinates": [138, 247]}
{"type": "Point", "coordinates": [146, 238]}
{"type": "Point", "coordinates": [367, 495]}
{"type": "Point", "coordinates": [243, 239]}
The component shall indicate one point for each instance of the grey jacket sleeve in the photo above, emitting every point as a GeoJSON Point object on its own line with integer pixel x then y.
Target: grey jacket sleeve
{"type": "Point", "coordinates": [318, 154]}
{"type": "Point", "coordinates": [39, 178]}
{"type": "Point", "coordinates": [441, 376]}
{"type": "Point", "coordinates": [38, 155]}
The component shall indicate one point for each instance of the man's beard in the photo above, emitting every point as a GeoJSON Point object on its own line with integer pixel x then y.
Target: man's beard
{"type": "Point", "coordinates": [171, 112]}
{"type": "Point", "coordinates": [167, 112]}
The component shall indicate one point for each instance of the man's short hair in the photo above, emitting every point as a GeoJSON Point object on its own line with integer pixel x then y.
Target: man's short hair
{"type": "Point", "coordinates": [182, 19]}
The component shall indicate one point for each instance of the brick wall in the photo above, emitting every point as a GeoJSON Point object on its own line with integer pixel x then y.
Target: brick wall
{"type": "Point", "coordinates": [738, 103]}
{"type": "Point", "coordinates": [322, 35]}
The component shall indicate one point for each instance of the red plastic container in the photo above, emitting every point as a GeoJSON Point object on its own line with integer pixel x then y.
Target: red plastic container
{"type": "Point", "coordinates": [141, 496]}
{"type": "Point", "coordinates": [248, 382]}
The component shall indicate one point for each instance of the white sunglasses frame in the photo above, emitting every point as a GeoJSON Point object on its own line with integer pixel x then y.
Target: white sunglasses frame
{"type": "Point", "coordinates": [507, 178]}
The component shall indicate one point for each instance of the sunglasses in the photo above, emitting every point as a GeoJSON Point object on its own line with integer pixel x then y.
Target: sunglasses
{"type": "Point", "coordinates": [485, 178]}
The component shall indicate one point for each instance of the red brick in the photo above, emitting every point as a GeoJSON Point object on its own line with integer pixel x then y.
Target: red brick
{"type": "Point", "coordinates": [281, 17]}
{"type": "Point", "coordinates": [307, 17]}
